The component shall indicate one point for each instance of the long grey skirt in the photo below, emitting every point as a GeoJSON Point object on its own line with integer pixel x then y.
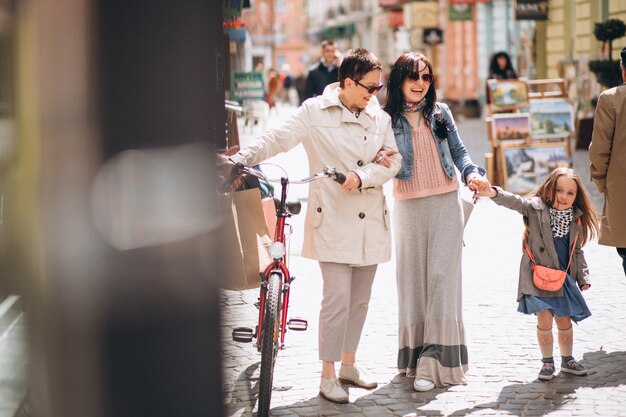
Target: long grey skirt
{"type": "Point", "coordinates": [429, 240]}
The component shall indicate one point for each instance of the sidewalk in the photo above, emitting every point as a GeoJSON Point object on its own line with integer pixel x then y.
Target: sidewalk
{"type": "Point", "coordinates": [501, 342]}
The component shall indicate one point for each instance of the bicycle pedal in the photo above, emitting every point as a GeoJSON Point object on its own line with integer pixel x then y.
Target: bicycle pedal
{"type": "Point", "coordinates": [243, 334]}
{"type": "Point", "coordinates": [298, 324]}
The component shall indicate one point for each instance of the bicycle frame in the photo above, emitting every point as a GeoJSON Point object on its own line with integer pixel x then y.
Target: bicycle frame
{"type": "Point", "coordinates": [278, 265]}
{"type": "Point", "coordinates": [275, 285]}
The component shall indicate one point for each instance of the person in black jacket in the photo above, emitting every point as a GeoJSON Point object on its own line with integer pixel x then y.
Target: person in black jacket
{"type": "Point", "coordinates": [324, 72]}
{"type": "Point", "coordinates": [500, 68]}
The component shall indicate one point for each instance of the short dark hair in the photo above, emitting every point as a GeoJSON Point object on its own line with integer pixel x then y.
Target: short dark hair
{"type": "Point", "coordinates": [623, 55]}
{"type": "Point", "coordinates": [356, 63]}
{"type": "Point", "coordinates": [327, 42]}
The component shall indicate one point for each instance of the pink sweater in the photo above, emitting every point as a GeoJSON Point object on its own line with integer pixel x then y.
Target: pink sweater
{"type": "Point", "coordinates": [429, 177]}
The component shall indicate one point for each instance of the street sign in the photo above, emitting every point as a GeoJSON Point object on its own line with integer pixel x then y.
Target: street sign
{"type": "Point", "coordinates": [459, 12]}
{"type": "Point", "coordinates": [531, 10]}
{"type": "Point", "coordinates": [433, 36]}
{"type": "Point", "coordinates": [247, 86]}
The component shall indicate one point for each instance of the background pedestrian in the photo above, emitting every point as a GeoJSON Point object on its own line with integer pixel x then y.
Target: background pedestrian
{"type": "Point", "coordinates": [500, 68]}
{"type": "Point", "coordinates": [324, 72]}
{"type": "Point", "coordinates": [607, 153]}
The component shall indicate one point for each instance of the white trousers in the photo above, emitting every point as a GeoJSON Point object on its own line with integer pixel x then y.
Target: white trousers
{"type": "Point", "coordinates": [346, 297]}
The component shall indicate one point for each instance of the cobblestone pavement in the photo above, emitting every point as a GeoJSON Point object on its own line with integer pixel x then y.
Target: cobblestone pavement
{"type": "Point", "coordinates": [503, 355]}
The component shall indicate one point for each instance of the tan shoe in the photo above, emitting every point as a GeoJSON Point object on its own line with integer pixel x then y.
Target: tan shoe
{"type": "Point", "coordinates": [353, 375]}
{"type": "Point", "coordinates": [332, 391]}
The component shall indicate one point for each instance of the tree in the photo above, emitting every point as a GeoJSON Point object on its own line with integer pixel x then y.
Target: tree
{"type": "Point", "coordinates": [607, 71]}
{"type": "Point", "coordinates": [608, 31]}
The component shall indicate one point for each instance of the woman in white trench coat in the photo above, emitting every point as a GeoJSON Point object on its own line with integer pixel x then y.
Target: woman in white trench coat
{"type": "Point", "coordinates": [347, 226]}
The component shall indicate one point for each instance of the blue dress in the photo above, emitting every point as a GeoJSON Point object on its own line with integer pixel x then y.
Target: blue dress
{"type": "Point", "coordinates": [572, 304]}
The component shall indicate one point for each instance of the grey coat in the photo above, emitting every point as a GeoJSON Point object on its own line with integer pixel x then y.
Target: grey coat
{"type": "Point", "coordinates": [542, 244]}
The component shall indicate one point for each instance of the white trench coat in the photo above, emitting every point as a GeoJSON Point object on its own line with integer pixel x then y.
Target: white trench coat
{"type": "Point", "coordinates": [340, 226]}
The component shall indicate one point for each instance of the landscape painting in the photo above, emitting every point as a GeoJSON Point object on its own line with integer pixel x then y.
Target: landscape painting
{"type": "Point", "coordinates": [551, 118]}
{"type": "Point", "coordinates": [508, 94]}
{"type": "Point", "coordinates": [511, 126]}
{"type": "Point", "coordinates": [527, 165]}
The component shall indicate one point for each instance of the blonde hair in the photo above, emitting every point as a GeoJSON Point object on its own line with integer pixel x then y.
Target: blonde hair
{"type": "Point", "coordinates": [546, 192]}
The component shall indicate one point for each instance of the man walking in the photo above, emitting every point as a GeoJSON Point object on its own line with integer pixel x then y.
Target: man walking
{"type": "Point", "coordinates": [607, 154]}
{"type": "Point", "coordinates": [324, 72]}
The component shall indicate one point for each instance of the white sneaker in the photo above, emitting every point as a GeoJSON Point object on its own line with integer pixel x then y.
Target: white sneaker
{"type": "Point", "coordinates": [353, 375]}
{"type": "Point", "coordinates": [423, 385]}
{"type": "Point", "coordinates": [332, 391]}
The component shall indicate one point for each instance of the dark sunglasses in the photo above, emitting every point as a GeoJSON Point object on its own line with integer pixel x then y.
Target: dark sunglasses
{"type": "Point", "coordinates": [427, 78]}
{"type": "Point", "coordinates": [370, 90]}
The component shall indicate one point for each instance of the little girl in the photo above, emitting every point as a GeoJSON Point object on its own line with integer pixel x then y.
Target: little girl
{"type": "Point", "coordinates": [557, 215]}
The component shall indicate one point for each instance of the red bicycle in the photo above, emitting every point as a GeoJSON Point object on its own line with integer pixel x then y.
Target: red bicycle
{"type": "Point", "coordinates": [275, 287]}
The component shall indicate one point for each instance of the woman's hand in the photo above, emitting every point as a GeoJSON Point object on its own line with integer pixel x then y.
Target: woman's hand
{"type": "Point", "coordinates": [382, 157]}
{"type": "Point", "coordinates": [353, 182]}
{"type": "Point", "coordinates": [585, 287]}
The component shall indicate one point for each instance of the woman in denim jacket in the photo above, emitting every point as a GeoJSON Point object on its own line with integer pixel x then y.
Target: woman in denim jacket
{"type": "Point", "coordinates": [428, 226]}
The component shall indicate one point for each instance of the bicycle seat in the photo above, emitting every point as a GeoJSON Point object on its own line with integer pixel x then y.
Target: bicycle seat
{"type": "Point", "coordinates": [293, 207]}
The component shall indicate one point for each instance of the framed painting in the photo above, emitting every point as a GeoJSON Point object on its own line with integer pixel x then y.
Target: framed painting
{"type": "Point", "coordinates": [511, 127]}
{"type": "Point", "coordinates": [526, 166]}
{"type": "Point", "coordinates": [551, 118]}
{"type": "Point", "coordinates": [507, 94]}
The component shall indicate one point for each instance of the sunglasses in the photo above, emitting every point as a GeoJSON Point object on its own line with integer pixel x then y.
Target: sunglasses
{"type": "Point", "coordinates": [427, 78]}
{"type": "Point", "coordinates": [370, 90]}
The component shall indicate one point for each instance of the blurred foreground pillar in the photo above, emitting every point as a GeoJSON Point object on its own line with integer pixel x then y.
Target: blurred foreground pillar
{"type": "Point", "coordinates": [119, 106]}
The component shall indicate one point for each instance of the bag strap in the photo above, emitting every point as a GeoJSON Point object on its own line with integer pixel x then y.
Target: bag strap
{"type": "Point", "coordinates": [571, 252]}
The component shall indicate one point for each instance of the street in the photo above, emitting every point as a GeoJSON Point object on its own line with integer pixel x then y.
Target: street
{"type": "Point", "coordinates": [503, 353]}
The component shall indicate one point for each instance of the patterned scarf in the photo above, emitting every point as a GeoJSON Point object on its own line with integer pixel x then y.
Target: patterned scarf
{"type": "Point", "coordinates": [560, 220]}
{"type": "Point", "coordinates": [414, 107]}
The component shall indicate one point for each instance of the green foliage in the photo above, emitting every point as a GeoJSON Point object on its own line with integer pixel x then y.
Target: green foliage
{"type": "Point", "coordinates": [609, 30]}
{"type": "Point", "coordinates": [607, 72]}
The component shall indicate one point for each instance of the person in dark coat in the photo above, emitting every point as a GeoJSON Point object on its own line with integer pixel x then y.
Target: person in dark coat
{"type": "Point", "coordinates": [325, 72]}
{"type": "Point", "coordinates": [500, 68]}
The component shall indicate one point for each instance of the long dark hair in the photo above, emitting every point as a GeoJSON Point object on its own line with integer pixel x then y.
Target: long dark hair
{"type": "Point", "coordinates": [494, 68]}
{"type": "Point", "coordinates": [407, 64]}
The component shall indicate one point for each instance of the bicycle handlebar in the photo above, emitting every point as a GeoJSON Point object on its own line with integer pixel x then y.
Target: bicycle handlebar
{"type": "Point", "coordinates": [328, 172]}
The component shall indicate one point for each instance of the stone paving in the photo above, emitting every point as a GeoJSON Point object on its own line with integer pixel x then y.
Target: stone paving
{"type": "Point", "coordinates": [503, 355]}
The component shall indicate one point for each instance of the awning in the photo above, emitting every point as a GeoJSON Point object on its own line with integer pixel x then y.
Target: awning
{"type": "Point", "coordinates": [339, 31]}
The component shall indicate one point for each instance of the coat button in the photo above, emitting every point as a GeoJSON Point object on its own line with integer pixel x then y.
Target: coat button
{"type": "Point", "coordinates": [361, 215]}
{"type": "Point", "coordinates": [359, 163]}
{"type": "Point", "coordinates": [364, 137]}
{"type": "Point", "coordinates": [542, 249]}
{"type": "Point", "coordinates": [319, 209]}
{"type": "Point", "coordinates": [385, 212]}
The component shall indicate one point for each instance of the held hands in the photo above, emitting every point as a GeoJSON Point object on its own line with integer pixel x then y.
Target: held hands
{"type": "Point", "coordinates": [382, 157]}
{"type": "Point", "coordinates": [481, 186]}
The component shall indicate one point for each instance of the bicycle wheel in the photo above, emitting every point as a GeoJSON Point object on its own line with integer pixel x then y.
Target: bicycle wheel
{"type": "Point", "coordinates": [269, 342]}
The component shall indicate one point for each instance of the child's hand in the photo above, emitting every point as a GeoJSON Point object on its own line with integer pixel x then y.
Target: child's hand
{"type": "Point", "coordinates": [585, 287]}
{"type": "Point", "coordinates": [482, 186]}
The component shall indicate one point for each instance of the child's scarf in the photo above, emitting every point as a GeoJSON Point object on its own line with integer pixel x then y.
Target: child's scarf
{"type": "Point", "coordinates": [560, 220]}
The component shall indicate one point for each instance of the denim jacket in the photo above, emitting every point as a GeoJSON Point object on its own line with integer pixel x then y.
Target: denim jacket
{"type": "Point", "coordinates": [450, 148]}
